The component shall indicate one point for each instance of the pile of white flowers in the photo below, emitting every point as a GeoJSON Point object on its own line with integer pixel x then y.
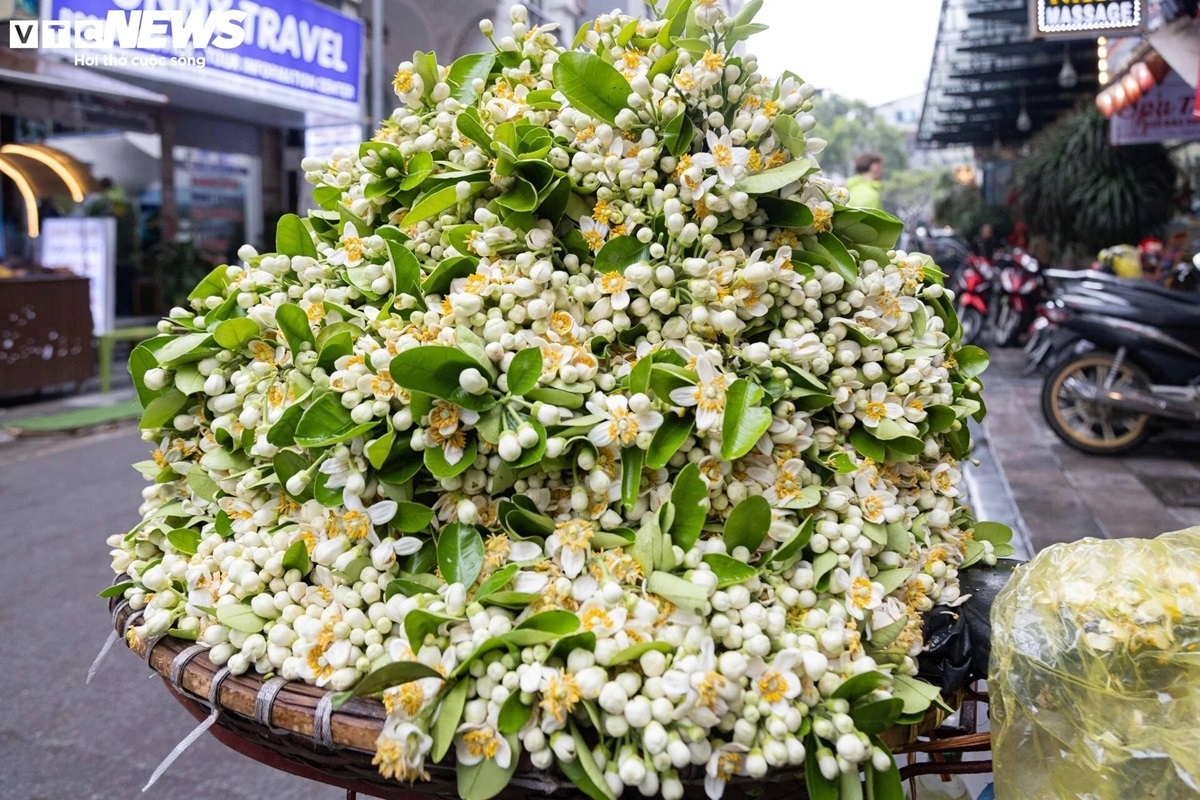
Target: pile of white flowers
{"type": "Point", "coordinates": [584, 421]}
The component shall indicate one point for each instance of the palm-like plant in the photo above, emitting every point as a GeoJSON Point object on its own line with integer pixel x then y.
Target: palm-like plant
{"type": "Point", "coordinates": [1086, 194]}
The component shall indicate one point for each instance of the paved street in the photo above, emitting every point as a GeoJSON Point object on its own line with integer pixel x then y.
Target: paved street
{"type": "Point", "coordinates": [1063, 495]}
{"type": "Point", "coordinates": [59, 499]}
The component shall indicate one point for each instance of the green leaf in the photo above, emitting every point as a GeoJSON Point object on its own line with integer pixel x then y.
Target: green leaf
{"type": "Point", "coordinates": [293, 322]}
{"type": "Point", "coordinates": [446, 272]}
{"type": "Point", "coordinates": [116, 589]}
{"type": "Point", "coordinates": [972, 361]}
{"type": "Point", "coordinates": [884, 785]}
{"type": "Point", "coordinates": [775, 179]}
{"type": "Point", "coordinates": [189, 380]}
{"type": "Point", "coordinates": [729, 571]}
{"type": "Point", "coordinates": [234, 334]}
{"type": "Point", "coordinates": [436, 462]}
{"type": "Point", "coordinates": [867, 445]}
{"type": "Point", "coordinates": [213, 285]}
{"type": "Point", "coordinates": [583, 757]}
{"type": "Point", "coordinates": [296, 557]}
{"type": "Point", "coordinates": [326, 422]}
{"type": "Point", "coordinates": [592, 85]}
{"type": "Point", "coordinates": [869, 227]}
{"type": "Point", "coordinates": [389, 675]}
{"type": "Point", "coordinates": [239, 617]}
{"type": "Point", "coordinates": [877, 717]}
{"type": "Point", "coordinates": [994, 532]}
{"type": "Point", "coordinates": [184, 540]}
{"type": "Point", "coordinates": [470, 126]}
{"type": "Point", "coordinates": [689, 496]}
{"type": "Point", "coordinates": [639, 376]}
{"type": "Point", "coordinates": [163, 409]}
{"type": "Point", "coordinates": [647, 549]}
{"type": "Point", "coordinates": [892, 579]}
{"type": "Point", "coordinates": [663, 65]}
{"type": "Point", "coordinates": [843, 262]}
{"type": "Point", "coordinates": [379, 450]}
{"type": "Point", "coordinates": [823, 563]}
{"type": "Point", "coordinates": [637, 651]}
{"type": "Point", "coordinates": [292, 237]}
{"type": "Point", "coordinates": [748, 523]}
{"type": "Point", "coordinates": [883, 637]}
{"type": "Point", "coordinates": [619, 253]}
{"type": "Point", "coordinates": [496, 581]}
{"type": "Point", "coordinates": [412, 517]}
{"type": "Point", "coordinates": [513, 714]}
{"type": "Point", "coordinates": [790, 134]}
{"type": "Point", "coordinates": [183, 349]}
{"type": "Point", "coordinates": [283, 432]}
{"type": "Point", "coordinates": [202, 485]}
{"type": "Point", "coordinates": [449, 713]}
{"type": "Point", "coordinates": [419, 624]}
{"type": "Point", "coordinates": [817, 785]}
{"type": "Point", "coordinates": [465, 71]}
{"type": "Point", "coordinates": [524, 371]}
{"type": "Point", "coordinates": [433, 203]}
{"type": "Point", "coordinates": [521, 196]}
{"type": "Point", "coordinates": [786, 213]}
{"type": "Point", "coordinates": [460, 553]}
{"type": "Point", "coordinates": [631, 475]}
{"type": "Point", "coordinates": [682, 593]}
{"type": "Point", "coordinates": [669, 437]}
{"type": "Point", "coordinates": [745, 421]}
{"type": "Point", "coordinates": [425, 65]}
{"type": "Point", "coordinates": [141, 360]}
{"type": "Point", "coordinates": [678, 133]}
{"type": "Point", "coordinates": [557, 622]}
{"type": "Point", "coordinates": [916, 694]}
{"type": "Point", "coordinates": [862, 684]}
{"type": "Point", "coordinates": [434, 369]}
{"type": "Point", "coordinates": [783, 557]}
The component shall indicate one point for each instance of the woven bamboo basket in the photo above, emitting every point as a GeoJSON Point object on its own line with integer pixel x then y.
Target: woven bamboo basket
{"type": "Point", "coordinates": [286, 725]}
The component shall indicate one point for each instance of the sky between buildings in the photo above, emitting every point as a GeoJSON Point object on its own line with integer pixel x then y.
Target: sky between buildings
{"type": "Point", "coordinates": [872, 50]}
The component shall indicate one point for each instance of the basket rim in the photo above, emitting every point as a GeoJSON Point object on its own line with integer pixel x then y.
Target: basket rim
{"type": "Point", "coordinates": [356, 725]}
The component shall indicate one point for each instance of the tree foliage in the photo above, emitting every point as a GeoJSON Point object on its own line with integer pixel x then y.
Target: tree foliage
{"type": "Point", "coordinates": [1082, 192]}
{"type": "Point", "coordinates": [852, 127]}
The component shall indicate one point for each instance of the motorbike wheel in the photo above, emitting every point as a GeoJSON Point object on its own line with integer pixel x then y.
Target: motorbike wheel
{"type": "Point", "coordinates": [1088, 426]}
{"type": "Point", "coordinates": [972, 323]}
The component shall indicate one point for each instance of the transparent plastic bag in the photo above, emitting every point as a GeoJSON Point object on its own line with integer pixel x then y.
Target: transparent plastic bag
{"type": "Point", "coordinates": [1095, 672]}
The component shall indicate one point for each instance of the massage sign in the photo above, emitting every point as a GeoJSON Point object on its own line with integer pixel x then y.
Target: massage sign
{"type": "Point", "coordinates": [1085, 17]}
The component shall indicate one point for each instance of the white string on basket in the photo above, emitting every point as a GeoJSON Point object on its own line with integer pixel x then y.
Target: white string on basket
{"type": "Point", "coordinates": [323, 721]}
{"type": "Point", "coordinates": [214, 693]}
{"type": "Point", "coordinates": [112, 639]}
{"type": "Point", "coordinates": [264, 701]}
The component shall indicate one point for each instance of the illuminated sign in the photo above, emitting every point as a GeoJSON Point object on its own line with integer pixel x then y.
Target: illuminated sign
{"type": "Point", "coordinates": [1085, 17]}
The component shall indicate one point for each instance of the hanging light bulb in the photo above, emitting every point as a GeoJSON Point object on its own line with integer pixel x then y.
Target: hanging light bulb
{"type": "Point", "coordinates": [1024, 123]}
{"type": "Point", "coordinates": [1067, 76]}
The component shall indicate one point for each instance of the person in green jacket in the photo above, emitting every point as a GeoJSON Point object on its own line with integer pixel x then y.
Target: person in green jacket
{"type": "Point", "coordinates": [865, 187]}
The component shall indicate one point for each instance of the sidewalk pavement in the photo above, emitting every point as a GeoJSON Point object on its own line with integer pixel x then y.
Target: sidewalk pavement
{"type": "Point", "coordinates": [1050, 493]}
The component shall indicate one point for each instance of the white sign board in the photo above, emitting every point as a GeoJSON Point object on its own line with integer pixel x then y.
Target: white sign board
{"type": "Point", "coordinates": [1163, 114]}
{"type": "Point", "coordinates": [88, 247]}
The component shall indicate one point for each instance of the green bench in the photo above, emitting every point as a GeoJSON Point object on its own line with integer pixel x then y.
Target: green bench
{"type": "Point", "coordinates": [105, 343]}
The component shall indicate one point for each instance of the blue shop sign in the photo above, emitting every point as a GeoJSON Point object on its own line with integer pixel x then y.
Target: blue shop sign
{"type": "Point", "coordinates": [291, 53]}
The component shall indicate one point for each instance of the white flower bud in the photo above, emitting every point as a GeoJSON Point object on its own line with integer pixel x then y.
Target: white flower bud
{"type": "Point", "coordinates": [472, 382]}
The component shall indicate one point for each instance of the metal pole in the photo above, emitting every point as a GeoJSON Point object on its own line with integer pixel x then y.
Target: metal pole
{"type": "Point", "coordinates": [378, 112]}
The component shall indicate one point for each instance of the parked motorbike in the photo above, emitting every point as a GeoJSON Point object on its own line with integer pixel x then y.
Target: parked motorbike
{"type": "Point", "coordinates": [1123, 357]}
{"type": "Point", "coordinates": [973, 290]}
{"type": "Point", "coordinates": [1021, 289]}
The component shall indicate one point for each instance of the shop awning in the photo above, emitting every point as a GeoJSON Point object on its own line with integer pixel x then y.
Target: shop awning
{"type": "Point", "coordinates": [59, 77]}
{"type": "Point", "coordinates": [989, 81]}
